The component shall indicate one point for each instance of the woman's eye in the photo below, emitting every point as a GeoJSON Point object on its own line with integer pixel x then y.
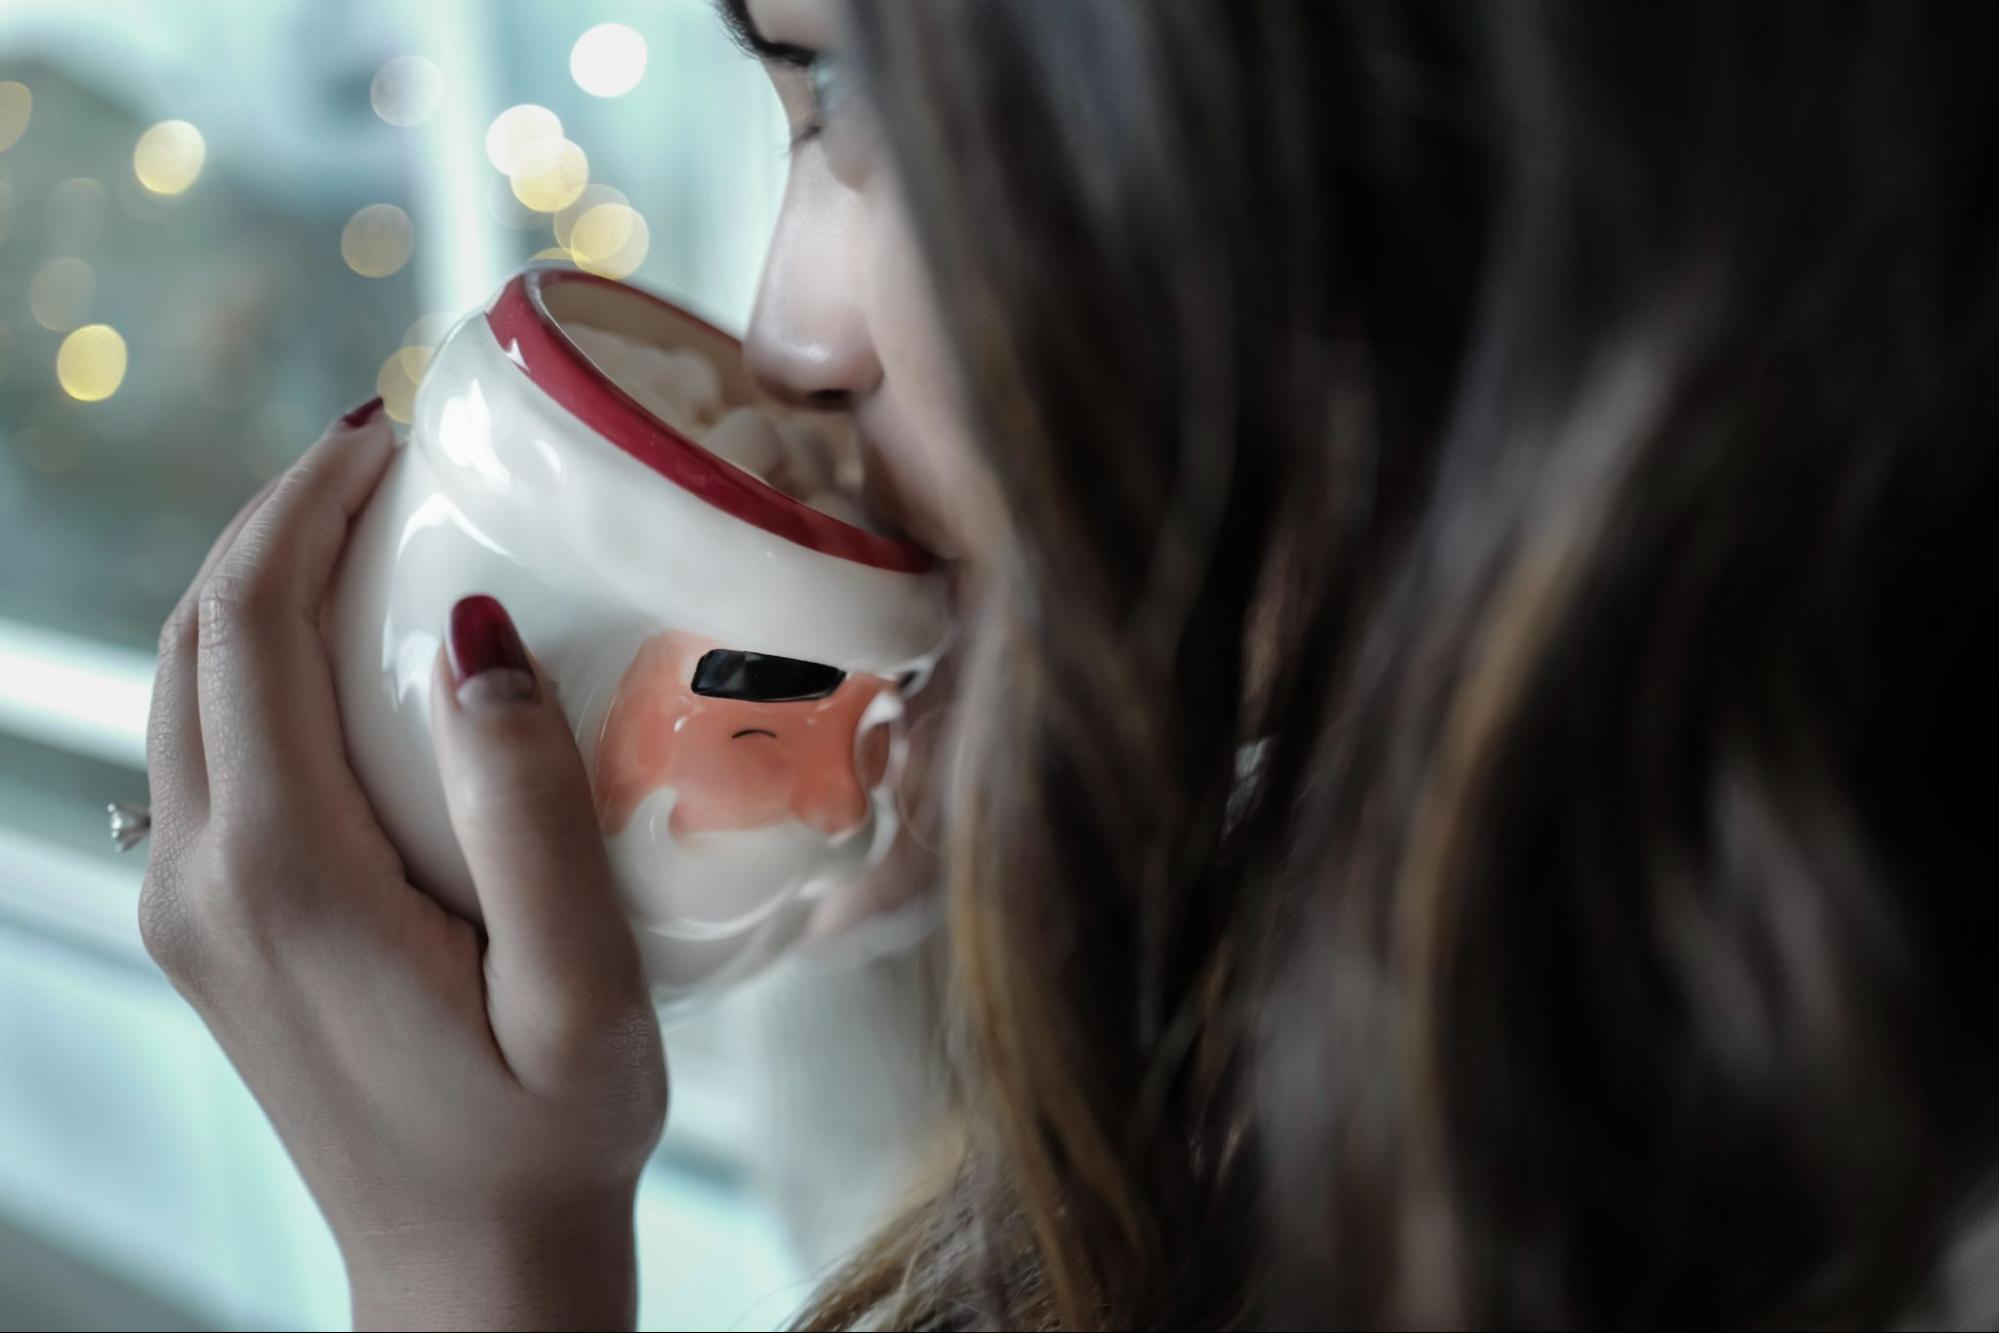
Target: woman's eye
{"type": "Point", "coordinates": [828, 90]}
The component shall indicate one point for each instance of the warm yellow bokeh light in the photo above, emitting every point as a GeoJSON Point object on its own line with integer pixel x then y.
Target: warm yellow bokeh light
{"type": "Point", "coordinates": [169, 156]}
{"type": "Point", "coordinates": [429, 330]}
{"type": "Point", "coordinates": [610, 240]}
{"type": "Point", "coordinates": [593, 195]}
{"type": "Point", "coordinates": [514, 130]}
{"type": "Point", "coordinates": [608, 60]}
{"type": "Point", "coordinates": [377, 240]}
{"type": "Point", "coordinates": [508, 211]}
{"type": "Point", "coordinates": [77, 210]}
{"type": "Point", "coordinates": [398, 379]}
{"type": "Point", "coordinates": [90, 364]}
{"type": "Point", "coordinates": [61, 293]}
{"type": "Point", "coordinates": [17, 104]}
{"type": "Point", "coordinates": [554, 252]}
{"type": "Point", "coordinates": [552, 174]}
{"type": "Point", "coordinates": [407, 90]}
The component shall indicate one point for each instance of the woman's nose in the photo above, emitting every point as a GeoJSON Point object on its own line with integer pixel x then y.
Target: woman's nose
{"type": "Point", "coordinates": [808, 341]}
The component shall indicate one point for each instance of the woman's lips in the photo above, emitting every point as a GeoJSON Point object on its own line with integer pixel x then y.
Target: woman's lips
{"type": "Point", "coordinates": [888, 502]}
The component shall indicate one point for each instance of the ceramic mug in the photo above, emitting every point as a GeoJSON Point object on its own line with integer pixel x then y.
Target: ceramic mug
{"type": "Point", "coordinates": [733, 659]}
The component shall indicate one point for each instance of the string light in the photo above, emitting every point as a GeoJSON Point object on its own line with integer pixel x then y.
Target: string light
{"type": "Point", "coordinates": [608, 60]}
{"type": "Point", "coordinates": [17, 106]}
{"type": "Point", "coordinates": [507, 210]}
{"type": "Point", "coordinates": [397, 381]}
{"type": "Point", "coordinates": [610, 240]}
{"type": "Point", "coordinates": [90, 364]}
{"type": "Point", "coordinates": [593, 195]}
{"type": "Point", "coordinates": [551, 174]}
{"type": "Point", "coordinates": [378, 240]}
{"type": "Point", "coordinates": [169, 157]}
{"type": "Point", "coordinates": [513, 130]}
{"type": "Point", "coordinates": [407, 91]}
{"type": "Point", "coordinates": [429, 330]}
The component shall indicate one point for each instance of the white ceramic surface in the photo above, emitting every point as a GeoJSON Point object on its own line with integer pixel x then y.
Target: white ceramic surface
{"type": "Point", "coordinates": [623, 552]}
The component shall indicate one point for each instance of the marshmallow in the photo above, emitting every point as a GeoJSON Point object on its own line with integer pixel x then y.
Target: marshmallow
{"type": "Point", "coordinates": [681, 388]}
{"type": "Point", "coordinates": [746, 437]}
{"type": "Point", "coordinates": [808, 458]}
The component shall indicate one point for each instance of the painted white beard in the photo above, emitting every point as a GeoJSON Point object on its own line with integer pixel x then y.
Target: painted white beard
{"type": "Point", "coordinates": [720, 886]}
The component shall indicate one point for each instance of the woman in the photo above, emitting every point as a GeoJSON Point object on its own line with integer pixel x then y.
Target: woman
{"type": "Point", "coordinates": [1471, 800]}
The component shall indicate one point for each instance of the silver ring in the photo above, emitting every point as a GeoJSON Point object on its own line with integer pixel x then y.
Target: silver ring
{"type": "Point", "coordinates": [129, 824]}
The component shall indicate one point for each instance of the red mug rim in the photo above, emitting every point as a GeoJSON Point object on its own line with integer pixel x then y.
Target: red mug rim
{"type": "Point", "coordinates": [534, 340]}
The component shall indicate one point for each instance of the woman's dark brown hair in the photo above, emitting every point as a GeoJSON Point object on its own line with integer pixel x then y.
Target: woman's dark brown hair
{"type": "Point", "coordinates": [1479, 803]}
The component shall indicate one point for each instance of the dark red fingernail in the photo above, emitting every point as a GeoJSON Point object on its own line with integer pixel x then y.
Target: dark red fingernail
{"type": "Point", "coordinates": [488, 662]}
{"type": "Point", "coordinates": [363, 414]}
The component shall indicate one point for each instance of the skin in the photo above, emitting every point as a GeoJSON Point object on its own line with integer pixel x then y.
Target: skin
{"type": "Point", "coordinates": [472, 1113]}
{"type": "Point", "coordinates": [844, 315]}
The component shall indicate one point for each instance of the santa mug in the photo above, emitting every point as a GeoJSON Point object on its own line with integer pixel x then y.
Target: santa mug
{"type": "Point", "coordinates": [731, 643]}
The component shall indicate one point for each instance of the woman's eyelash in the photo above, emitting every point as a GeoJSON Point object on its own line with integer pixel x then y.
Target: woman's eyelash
{"type": "Point", "coordinates": [807, 132]}
{"type": "Point", "coordinates": [819, 76]}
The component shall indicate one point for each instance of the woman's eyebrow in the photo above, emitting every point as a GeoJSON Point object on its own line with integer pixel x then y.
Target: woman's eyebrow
{"type": "Point", "coordinates": [736, 18]}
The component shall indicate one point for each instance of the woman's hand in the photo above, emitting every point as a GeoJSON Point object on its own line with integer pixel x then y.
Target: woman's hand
{"type": "Point", "coordinates": [471, 1112]}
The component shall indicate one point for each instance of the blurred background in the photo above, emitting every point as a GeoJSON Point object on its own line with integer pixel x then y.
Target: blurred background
{"type": "Point", "coordinates": [221, 224]}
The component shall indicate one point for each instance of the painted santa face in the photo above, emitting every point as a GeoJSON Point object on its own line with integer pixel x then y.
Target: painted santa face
{"type": "Point", "coordinates": [744, 740]}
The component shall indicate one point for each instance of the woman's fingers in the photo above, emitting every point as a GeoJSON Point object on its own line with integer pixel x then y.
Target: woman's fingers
{"type": "Point", "coordinates": [269, 726]}
{"type": "Point", "coordinates": [175, 767]}
{"type": "Point", "coordinates": [560, 960]}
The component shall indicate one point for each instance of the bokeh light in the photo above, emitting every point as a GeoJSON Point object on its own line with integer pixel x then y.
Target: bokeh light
{"type": "Point", "coordinates": [61, 293]}
{"type": "Point", "coordinates": [593, 195]}
{"type": "Point", "coordinates": [608, 60]}
{"type": "Point", "coordinates": [556, 253]}
{"type": "Point", "coordinates": [514, 130]}
{"type": "Point", "coordinates": [398, 380]}
{"type": "Point", "coordinates": [77, 210]}
{"type": "Point", "coordinates": [169, 156]}
{"type": "Point", "coordinates": [407, 90]}
{"type": "Point", "coordinates": [610, 240]}
{"type": "Point", "coordinates": [90, 364]}
{"type": "Point", "coordinates": [429, 330]}
{"type": "Point", "coordinates": [17, 104]}
{"type": "Point", "coordinates": [507, 210]}
{"type": "Point", "coordinates": [551, 174]}
{"type": "Point", "coordinates": [377, 240]}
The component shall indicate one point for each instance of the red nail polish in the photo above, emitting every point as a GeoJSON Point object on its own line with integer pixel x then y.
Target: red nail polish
{"type": "Point", "coordinates": [363, 414]}
{"type": "Point", "coordinates": [483, 640]}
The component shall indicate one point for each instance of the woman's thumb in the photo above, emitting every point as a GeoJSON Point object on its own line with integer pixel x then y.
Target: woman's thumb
{"type": "Point", "coordinates": [560, 959]}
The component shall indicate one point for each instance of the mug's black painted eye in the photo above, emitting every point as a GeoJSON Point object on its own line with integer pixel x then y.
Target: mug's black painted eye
{"type": "Point", "coordinates": [724, 673]}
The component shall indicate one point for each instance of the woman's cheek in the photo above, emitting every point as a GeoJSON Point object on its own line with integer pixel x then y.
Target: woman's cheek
{"type": "Point", "coordinates": [932, 435]}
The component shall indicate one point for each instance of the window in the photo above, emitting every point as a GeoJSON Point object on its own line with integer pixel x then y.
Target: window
{"type": "Point", "coordinates": [222, 224]}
